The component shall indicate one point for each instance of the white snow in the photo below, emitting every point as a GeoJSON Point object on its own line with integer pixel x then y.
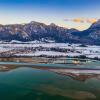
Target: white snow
{"type": "Point", "coordinates": [75, 49]}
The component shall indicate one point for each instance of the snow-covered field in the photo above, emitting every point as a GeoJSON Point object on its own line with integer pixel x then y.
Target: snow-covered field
{"type": "Point", "coordinates": [49, 49]}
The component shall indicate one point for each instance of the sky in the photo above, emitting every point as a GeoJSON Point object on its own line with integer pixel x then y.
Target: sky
{"type": "Point", "coordinates": [79, 14]}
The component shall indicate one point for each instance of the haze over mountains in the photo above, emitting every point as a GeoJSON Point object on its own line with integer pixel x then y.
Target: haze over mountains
{"type": "Point", "coordinates": [42, 32]}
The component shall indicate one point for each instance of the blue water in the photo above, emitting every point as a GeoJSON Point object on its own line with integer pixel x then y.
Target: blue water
{"type": "Point", "coordinates": [26, 83]}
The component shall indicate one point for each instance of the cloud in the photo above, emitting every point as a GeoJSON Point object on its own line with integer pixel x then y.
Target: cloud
{"type": "Point", "coordinates": [79, 20]}
{"type": "Point", "coordinates": [82, 20]}
{"type": "Point", "coordinates": [92, 20]}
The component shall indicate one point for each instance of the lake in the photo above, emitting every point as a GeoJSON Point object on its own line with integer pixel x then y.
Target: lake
{"type": "Point", "coordinates": [36, 83]}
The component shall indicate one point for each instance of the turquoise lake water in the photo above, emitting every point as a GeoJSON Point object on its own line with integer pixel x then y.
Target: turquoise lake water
{"type": "Point", "coordinates": [26, 83]}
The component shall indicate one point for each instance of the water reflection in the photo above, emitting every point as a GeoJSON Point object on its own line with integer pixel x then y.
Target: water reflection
{"type": "Point", "coordinates": [75, 74]}
{"type": "Point", "coordinates": [45, 83]}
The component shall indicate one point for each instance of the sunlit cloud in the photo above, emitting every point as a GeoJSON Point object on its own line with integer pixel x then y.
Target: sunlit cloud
{"type": "Point", "coordinates": [83, 20]}
{"type": "Point", "coordinates": [79, 20]}
{"type": "Point", "coordinates": [92, 20]}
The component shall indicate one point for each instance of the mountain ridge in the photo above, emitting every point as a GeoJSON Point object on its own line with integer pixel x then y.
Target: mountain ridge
{"type": "Point", "coordinates": [37, 31]}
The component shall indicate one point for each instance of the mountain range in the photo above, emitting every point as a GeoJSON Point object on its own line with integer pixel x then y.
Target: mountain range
{"type": "Point", "coordinates": [39, 31]}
